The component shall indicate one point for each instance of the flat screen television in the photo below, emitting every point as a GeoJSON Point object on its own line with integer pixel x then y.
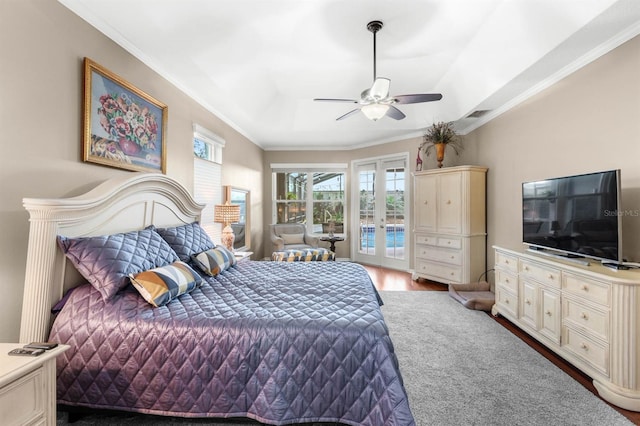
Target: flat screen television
{"type": "Point", "coordinates": [575, 216]}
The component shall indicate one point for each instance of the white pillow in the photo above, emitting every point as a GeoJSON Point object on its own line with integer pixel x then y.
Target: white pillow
{"type": "Point", "coordinates": [292, 238]}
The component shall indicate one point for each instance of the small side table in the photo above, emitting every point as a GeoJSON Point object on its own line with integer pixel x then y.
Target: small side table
{"type": "Point", "coordinates": [28, 386]}
{"type": "Point", "coordinates": [241, 256]}
{"type": "Point", "coordinates": [332, 240]}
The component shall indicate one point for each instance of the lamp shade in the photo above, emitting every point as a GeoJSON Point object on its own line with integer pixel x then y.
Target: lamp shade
{"type": "Point", "coordinates": [226, 213]}
{"type": "Point", "coordinates": [375, 111]}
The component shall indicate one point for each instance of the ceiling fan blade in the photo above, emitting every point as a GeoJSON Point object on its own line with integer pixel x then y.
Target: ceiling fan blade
{"type": "Point", "coordinates": [350, 113]}
{"type": "Point", "coordinates": [395, 113]}
{"type": "Point", "coordinates": [352, 101]}
{"type": "Point", "coordinates": [380, 88]}
{"type": "Point", "coordinates": [416, 99]}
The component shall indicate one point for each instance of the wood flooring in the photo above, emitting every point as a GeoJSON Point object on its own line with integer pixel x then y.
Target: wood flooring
{"type": "Point", "coordinates": [392, 280]}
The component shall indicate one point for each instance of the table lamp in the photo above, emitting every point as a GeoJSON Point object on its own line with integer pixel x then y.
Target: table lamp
{"type": "Point", "coordinates": [227, 214]}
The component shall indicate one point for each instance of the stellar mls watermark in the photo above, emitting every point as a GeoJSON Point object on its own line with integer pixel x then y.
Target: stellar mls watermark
{"type": "Point", "coordinates": [623, 213]}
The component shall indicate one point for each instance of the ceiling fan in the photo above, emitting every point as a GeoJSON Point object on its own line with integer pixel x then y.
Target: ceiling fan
{"type": "Point", "coordinates": [375, 102]}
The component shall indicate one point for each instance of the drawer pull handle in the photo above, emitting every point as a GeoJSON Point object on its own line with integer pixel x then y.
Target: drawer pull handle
{"type": "Point", "coordinates": [550, 276]}
{"type": "Point", "coordinates": [448, 201]}
{"type": "Point", "coordinates": [584, 316]}
{"type": "Point", "coordinates": [548, 313]}
{"type": "Point", "coordinates": [584, 346]}
{"type": "Point", "coordinates": [584, 287]}
{"type": "Point", "coordinates": [453, 257]}
{"type": "Point", "coordinates": [506, 261]}
{"type": "Point", "coordinates": [506, 280]}
{"type": "Point", "coordinates": [526, 268]}
{"type": "Point", "coordinates": [506, 301]}
{"type": "Point", "coordinates": [527, 301]}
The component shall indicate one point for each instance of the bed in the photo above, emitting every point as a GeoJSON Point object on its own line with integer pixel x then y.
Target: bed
{"type": "Point", "coordinates": [281, 343]}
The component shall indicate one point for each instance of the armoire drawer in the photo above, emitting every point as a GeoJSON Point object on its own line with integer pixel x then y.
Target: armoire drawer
{"type": "Point", "coordinates": [445, 272]}
{"type": "Point", "coordinates": [429, 240]}
{"type": "Point", "coordinates": [453, 257]}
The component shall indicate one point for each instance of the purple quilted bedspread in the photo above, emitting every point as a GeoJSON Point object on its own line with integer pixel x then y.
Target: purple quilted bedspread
{"type": "Point", "coordinates": [277, 342]}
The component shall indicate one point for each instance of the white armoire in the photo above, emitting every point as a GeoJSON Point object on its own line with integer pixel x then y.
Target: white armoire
{"type": "Point", "coordinates": [449, 216]}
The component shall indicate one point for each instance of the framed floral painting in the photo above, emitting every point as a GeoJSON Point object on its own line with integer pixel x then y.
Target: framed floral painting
{"type": "Point", "coordinates": [123, 126]}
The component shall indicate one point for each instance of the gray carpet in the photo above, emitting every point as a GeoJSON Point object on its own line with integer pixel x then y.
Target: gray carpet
{"type": "Point", "coordinates": [460, 367]}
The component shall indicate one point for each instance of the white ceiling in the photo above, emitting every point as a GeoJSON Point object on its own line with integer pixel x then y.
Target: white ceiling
{"type": "Point", "coordinates": [258, 64]}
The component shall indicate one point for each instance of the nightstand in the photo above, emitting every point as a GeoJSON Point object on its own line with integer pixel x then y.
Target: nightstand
{"type": "Point", "coordinates": [241, 256]}
{"type": "Point", "coordinates": [28, 386]}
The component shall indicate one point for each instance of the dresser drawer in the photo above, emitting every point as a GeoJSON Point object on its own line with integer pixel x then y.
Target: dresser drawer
{"type": "Point", "coordinates": [507, 262]}
{"type": "Point", "coordinates": [590, 351]}
{"type": "Point", "coordinates": [429, 240]}
{"type": "Point", "coordinates": [453, 257]}
{"type": "Point", "coordinates": [21, 401]}
{"type": "Point", "coordinates": [541, 273]}
{"type": "Point", "coordinates": [591, 320]}
{"type": "Point", "coordinates": [507, 280]}
{"type": "Point", "coordinates": [439, 271]}
{"type": "Point", "coordinates": [507, 302]}
{"type": "Point", "coordinates": [594, 291]}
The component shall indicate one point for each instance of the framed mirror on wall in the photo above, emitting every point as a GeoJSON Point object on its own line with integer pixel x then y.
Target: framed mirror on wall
{"type": "Point", "coordinates": [241, 229]}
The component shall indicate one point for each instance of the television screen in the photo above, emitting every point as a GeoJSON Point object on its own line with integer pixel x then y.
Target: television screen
{"type": "Point", "coordinates": [576, 215]}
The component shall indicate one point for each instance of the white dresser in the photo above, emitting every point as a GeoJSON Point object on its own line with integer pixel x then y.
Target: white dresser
{"type": "Point", "coordinates": [449, 224]}
{"type": "Point", "coordinates": [589, 315]}
{"type": "Point", "coordinates": [28, 387]}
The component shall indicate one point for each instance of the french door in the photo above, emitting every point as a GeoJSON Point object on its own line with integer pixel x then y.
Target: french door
{"type": "Point", "coordinates": [381, 204]}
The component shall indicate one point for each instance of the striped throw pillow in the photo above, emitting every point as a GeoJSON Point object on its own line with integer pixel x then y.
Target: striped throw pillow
{"type": "Point", "coordinates": [161, 285]}
{"type": "Point", "coordinates": [215, 260]}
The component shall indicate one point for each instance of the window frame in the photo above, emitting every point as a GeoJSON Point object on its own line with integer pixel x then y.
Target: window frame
{"type": "Point", "coordinates": [310, 169]}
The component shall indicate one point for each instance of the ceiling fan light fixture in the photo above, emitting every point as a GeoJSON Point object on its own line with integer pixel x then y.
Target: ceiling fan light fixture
{"type": "Point", "coordinates": [375, 111]}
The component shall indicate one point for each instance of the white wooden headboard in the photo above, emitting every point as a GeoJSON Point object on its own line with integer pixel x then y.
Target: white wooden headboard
{"type": "Point", "coordinates": [122, 204]}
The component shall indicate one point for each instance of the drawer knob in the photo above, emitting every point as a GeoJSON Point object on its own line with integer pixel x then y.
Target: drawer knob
{"type": "Point", "coordinates": [550, 276]}
{"type": "Point", "coordinates": [506, 261]}
{"type": "Point", "coordinates": [548, 313]}
{"type": "Point", "coordinates": [527, 301]}
{"type": "Point", "coordinates": [453, 257]}
{"type": "Point", "coordinates": [506, 301]}
{"type": "Point", "coordinates": [584, 346]}
{"type": "Point", "coordinates": [506, 280]}
{"type": "Point", "coordinates": [584, 287]}
{"type": "Point", "coordinates": [584, 316]}
{"type": "Point", "coordinates": [448, 201]}
{"type": "Point", "coordinates": [426, 202]}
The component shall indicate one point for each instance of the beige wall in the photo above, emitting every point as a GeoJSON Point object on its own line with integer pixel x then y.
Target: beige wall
{"type": "Point", "coordinates": [589, 121]}
{"type": "Point", "coordinates": [42, 46]}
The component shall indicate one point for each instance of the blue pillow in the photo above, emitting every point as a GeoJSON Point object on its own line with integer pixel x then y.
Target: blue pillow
{"type": "Point", "coordinates": [106, 261]}
{"type": "Point", "coordinates": [186, 240]}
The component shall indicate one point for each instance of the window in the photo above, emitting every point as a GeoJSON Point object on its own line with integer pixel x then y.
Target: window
{"type": "Point", "coordinates": [311, 195]}
{"type": "Point", "coordinates": [207, 176]}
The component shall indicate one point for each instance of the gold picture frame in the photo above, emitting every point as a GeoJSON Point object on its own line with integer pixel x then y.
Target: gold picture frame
{"type": "Point", "coordinates": [123, 126]}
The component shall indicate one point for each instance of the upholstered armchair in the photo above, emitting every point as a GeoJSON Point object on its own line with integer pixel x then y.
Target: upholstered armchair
{"type": "Point", "coordinates": [286, 236]}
